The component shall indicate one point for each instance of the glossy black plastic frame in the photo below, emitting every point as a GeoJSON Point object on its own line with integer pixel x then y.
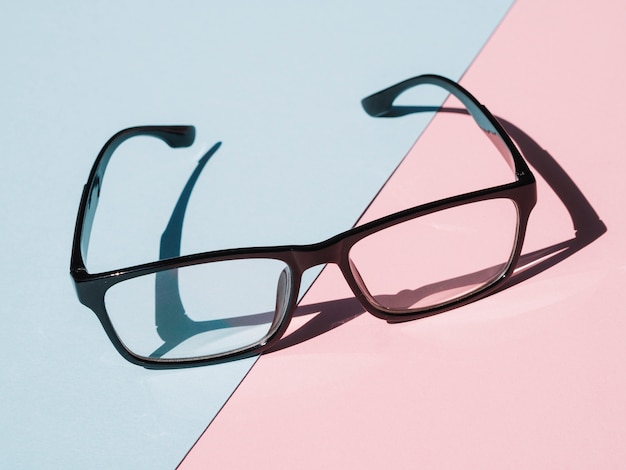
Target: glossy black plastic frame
{"type": "Point", "coordinates": [91, 288]}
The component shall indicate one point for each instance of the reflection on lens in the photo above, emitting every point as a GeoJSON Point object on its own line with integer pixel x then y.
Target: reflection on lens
{"type": "Point", "coordinates": [200, 310]}
{"type": "Point", "coordinates": [435, 259]}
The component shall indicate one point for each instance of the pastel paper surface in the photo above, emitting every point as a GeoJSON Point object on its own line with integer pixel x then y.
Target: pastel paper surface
{"type": "Point", "coordinates": [531, 377]}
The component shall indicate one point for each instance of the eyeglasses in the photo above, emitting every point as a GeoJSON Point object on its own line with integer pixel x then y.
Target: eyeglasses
{"type": "Point", "coordinates": [224, 305]}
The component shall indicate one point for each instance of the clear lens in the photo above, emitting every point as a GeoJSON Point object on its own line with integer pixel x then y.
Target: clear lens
{"type": "Point", "coordinates": [437, 258]}
{"type": "Point", "coordinates": [202, 310]}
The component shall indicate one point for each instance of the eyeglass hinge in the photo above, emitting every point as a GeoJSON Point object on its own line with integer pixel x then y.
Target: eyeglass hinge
{"type": "Point", "coordinates": [78, 273]}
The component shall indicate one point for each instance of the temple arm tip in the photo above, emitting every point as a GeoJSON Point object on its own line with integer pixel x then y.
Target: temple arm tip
{"type": "Point", "coordinates": [377, 105]}
{"type": "Point", "coordinates": [178, 136]}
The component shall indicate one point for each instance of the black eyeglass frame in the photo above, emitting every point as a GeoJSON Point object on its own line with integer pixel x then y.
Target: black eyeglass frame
{"type": "Point", "coordinates": [92, 287]}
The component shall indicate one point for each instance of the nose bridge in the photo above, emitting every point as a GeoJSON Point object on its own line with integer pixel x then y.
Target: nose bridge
{"type": "Point", "coordinates": [323, 253]}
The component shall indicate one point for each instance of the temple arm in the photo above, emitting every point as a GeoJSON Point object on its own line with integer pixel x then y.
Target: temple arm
{"type": "Point", "coordinates": [381, 104]}
{"type": "Point", "coordinates": [174, 136]}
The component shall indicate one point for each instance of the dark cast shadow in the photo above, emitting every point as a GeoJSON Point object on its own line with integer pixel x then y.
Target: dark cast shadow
{"type": "Point", "coordinates": [174, 326]}
{"type": "Point", "coordinates": [172, 323]}
{"type": "Point", "coordinates": [587, 228]}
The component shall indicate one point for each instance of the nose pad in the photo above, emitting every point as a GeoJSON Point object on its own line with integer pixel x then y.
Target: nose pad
{"type": "Point", "coordinates": [357, 277]}
{"type": "Point", "coordinates": [361, 284]}
{"type": "Point", "coordinates": [283, 294]}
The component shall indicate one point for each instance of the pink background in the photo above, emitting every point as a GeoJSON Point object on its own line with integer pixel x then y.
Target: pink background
{"type": "Point", "coordinates": [531, 377]}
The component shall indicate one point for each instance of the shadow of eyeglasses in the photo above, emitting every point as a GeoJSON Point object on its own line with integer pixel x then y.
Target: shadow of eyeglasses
{"type": "Point", "coordinates": [174, 326]}
{"type": "Point", "coordinates": [587, 224]}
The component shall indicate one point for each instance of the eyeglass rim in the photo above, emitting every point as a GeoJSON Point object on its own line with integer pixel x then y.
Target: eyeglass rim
{"type": "Point", "coordinates": [91, 287]}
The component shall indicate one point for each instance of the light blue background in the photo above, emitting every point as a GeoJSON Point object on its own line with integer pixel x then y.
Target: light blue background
{"type": "Point", "coordinates": [279, 83]}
